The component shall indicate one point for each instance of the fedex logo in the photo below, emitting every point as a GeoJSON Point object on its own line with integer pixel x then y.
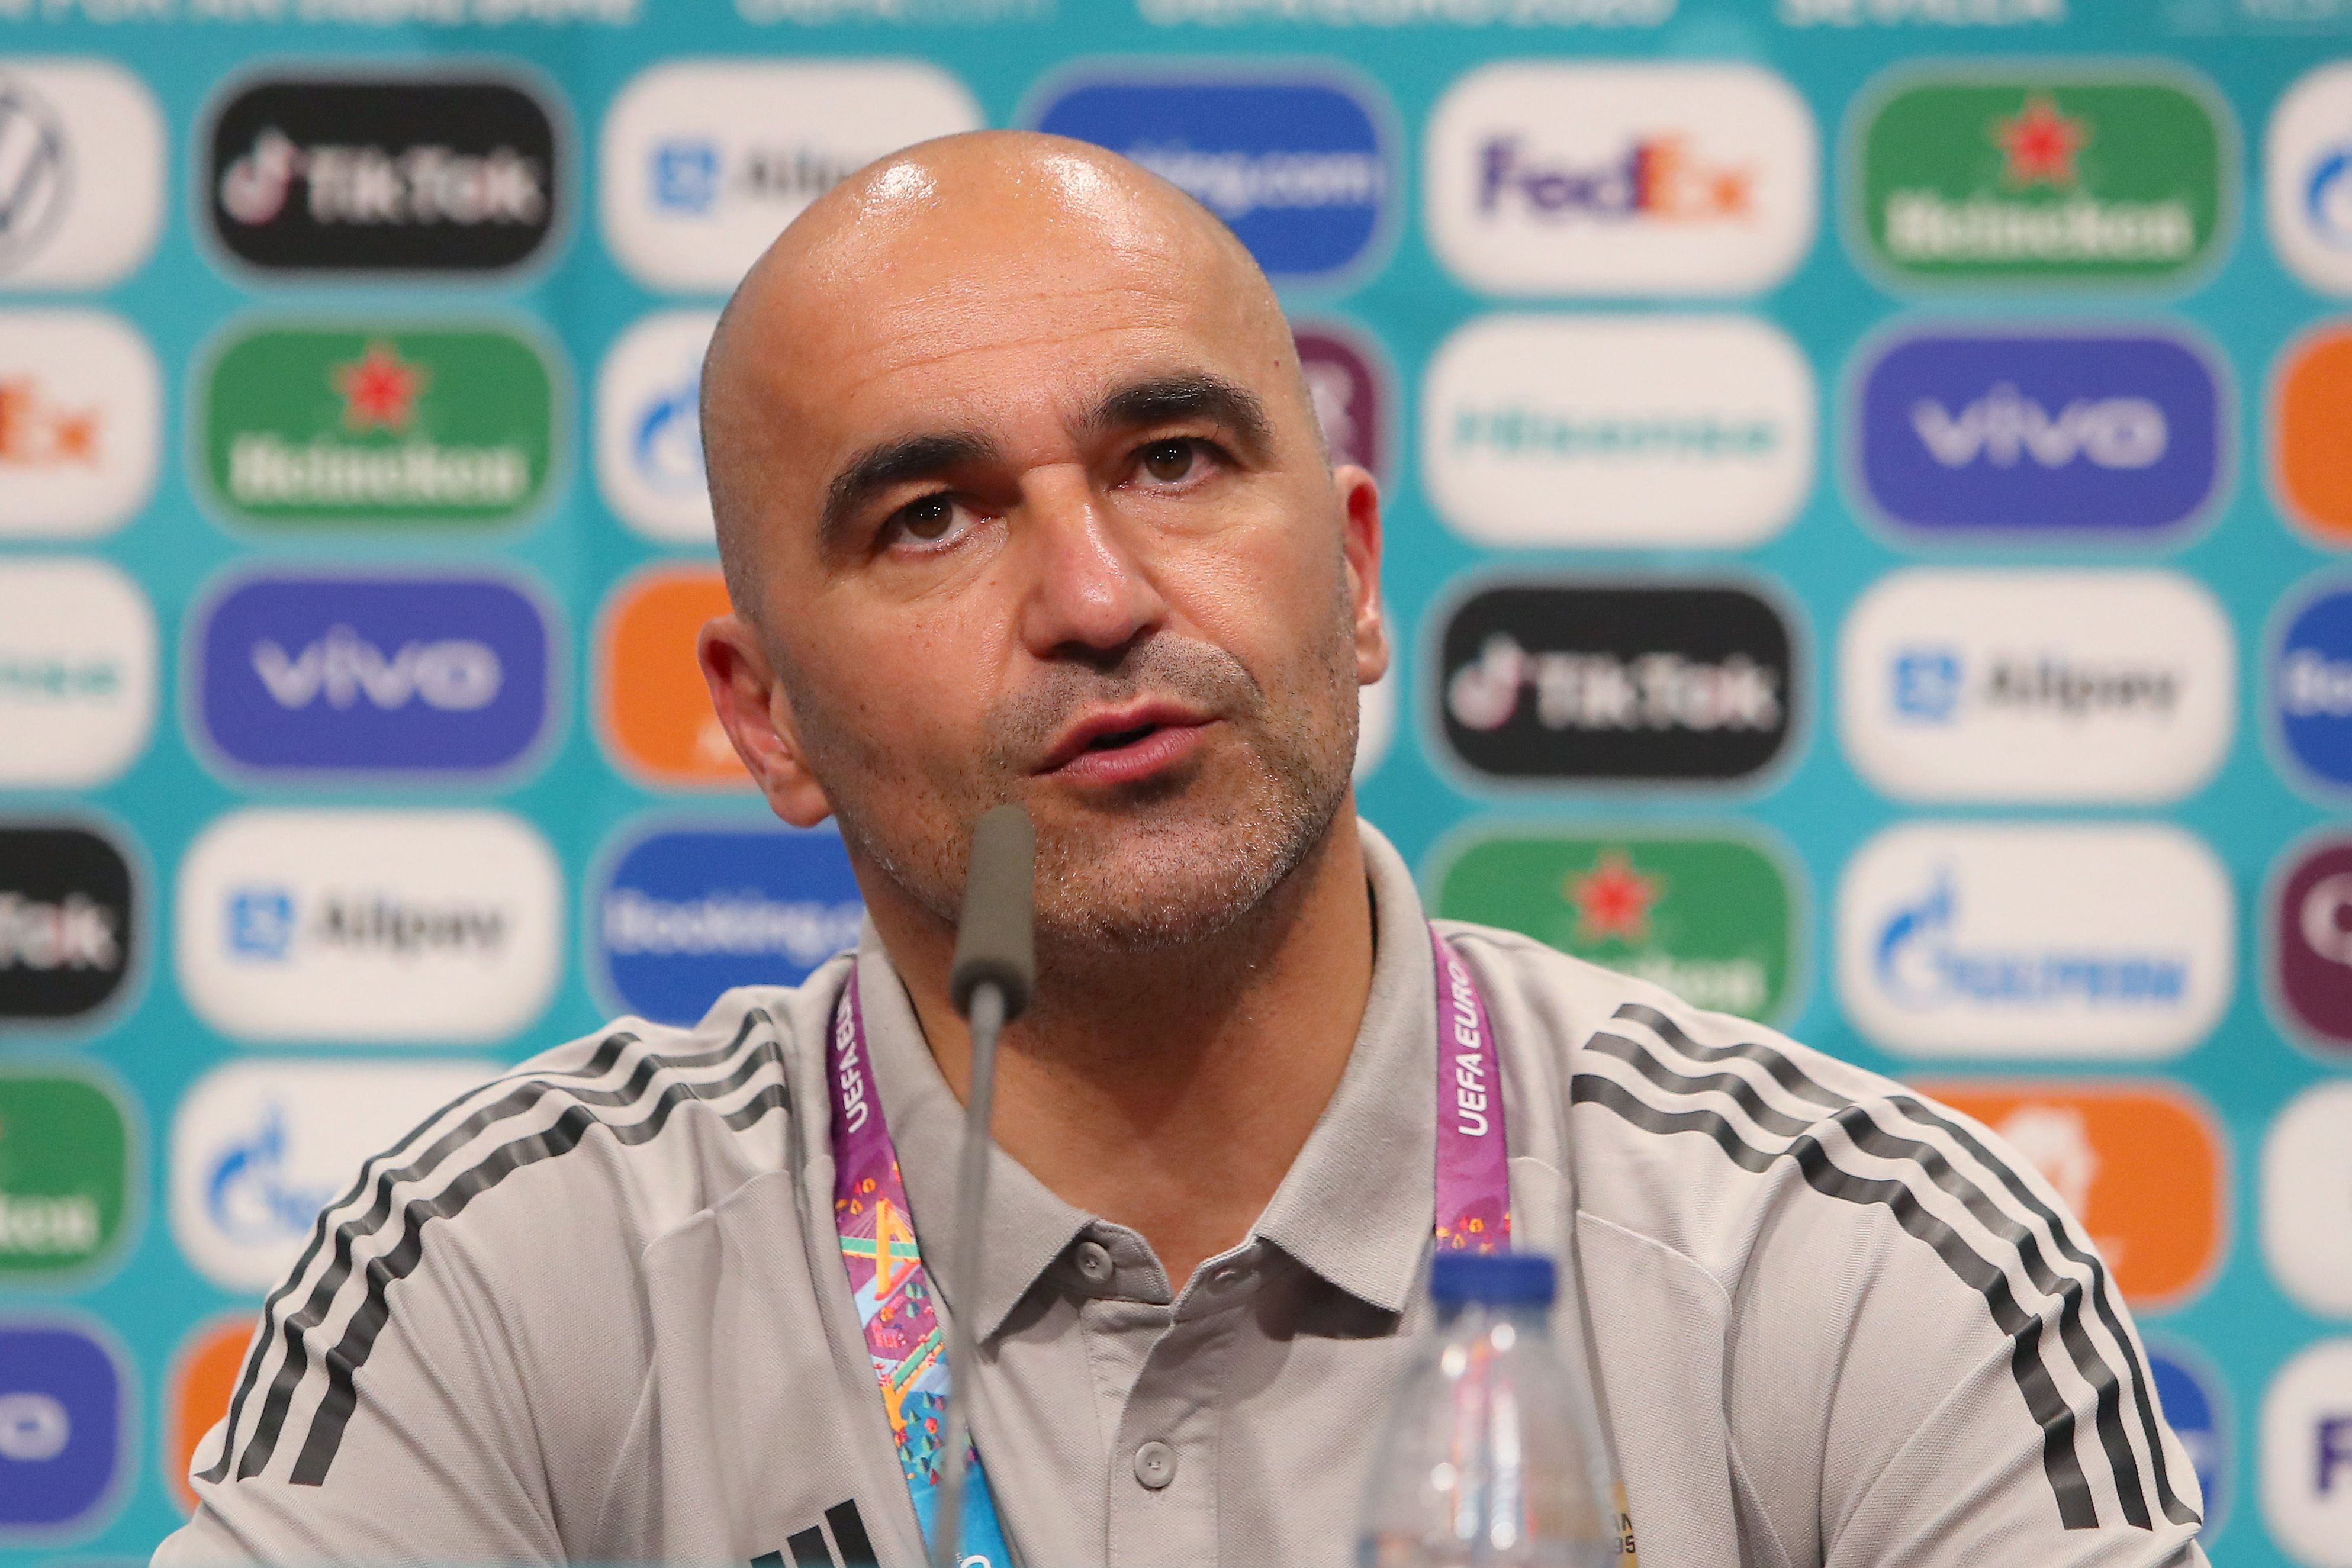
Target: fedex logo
{"type": "Point", "coordinates": [1657, 177]}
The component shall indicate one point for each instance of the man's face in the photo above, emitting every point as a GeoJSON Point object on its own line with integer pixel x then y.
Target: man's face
{"type": "Point", "coordinates": [1047, 520]}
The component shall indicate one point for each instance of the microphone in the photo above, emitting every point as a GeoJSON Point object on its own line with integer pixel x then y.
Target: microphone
{"type": "Point", "coordinates": [994, 968]}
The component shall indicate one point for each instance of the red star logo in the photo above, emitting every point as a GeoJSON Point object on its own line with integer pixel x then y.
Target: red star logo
{"type": "Point", "coordinates": [1612, 899]}
{"type": "Point", "coordinates": [2040, 143]}
{"type": "Point", "coordinates": [379, 389]}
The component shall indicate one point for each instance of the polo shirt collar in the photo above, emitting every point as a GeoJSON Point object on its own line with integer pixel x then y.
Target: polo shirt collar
{"type": "Point", "coordinates": [1355, 1206]}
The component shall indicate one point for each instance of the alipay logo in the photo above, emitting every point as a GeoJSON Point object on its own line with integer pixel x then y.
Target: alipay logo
{"type": "Point", "coordinates": [391, 927]}
{"type": "Point", "coordinates": [1621, 179]}
{"type": "Point", "coordinates": [2037, 685]}
{"type": "Point", "coordinates": [2098, 434]}
{"type": "Point", "coordinates": [440, 675]}
{"type": "Point", "coordinates": [81, 414]}
{"type": "Point", "coordinates": [259, 1148]}
{"type": "Point", "coordinates": [1631, 430]}
{"type": "Point", "coordinates": [64, 1442]}
{"type": "Point", "coordinates": [2307, 178]}
{"type": "Point", "coordinates": [78, 661]}
{"type": "Point", "coordinates": [648, 427]}
{"type": "Point", "coordinates": [703, 162]}
{"type": "Point", "coordinates": [686, 913]}
{"type": "Point", "coordinates": [81, 174]}
{"type": "Point", "coordinates": [2310, 688]}
{"type": "Point", "coordinates": [1298, 166]}
{"type": "Point", "coordinates": [2015, 941]}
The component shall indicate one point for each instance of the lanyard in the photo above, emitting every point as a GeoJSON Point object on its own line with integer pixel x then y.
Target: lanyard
{"type": "Point", "coordinates": [903, 1333]}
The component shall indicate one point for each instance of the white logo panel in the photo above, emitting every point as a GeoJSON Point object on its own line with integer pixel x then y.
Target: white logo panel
{"type": "Point", "coordinates": [81, 174]}
{"type": "Point", "coordinates": [2020, 941]}
{"type": "Point", "coordinates": [2037, 685]}
{"type": "Point", "coordinates": [1632, 431]}
{"type": "Point", "coordinates": [77, 656]}
{"type": "Point", "coordinates": [2307, 1203]}
{"type": "Point", "coordinates": [1375, 723]}
{"type": "Point", "coordinates": [2307, 179]}
{"type": "Point", "coordinates": [1621, 179]}
{"type": "Point", "coordinates": [703, 162]}
{"type": "Point", "coordinates": [259, 1147]}
{"type": "Point", "coordinates": [81, 416]}
{"type": "Point", "coordinates": [649, 428]}
{"type": "Point", "coordinates": [2307, 1466]}
{"type": "Point", "coordinates": [381, 926]}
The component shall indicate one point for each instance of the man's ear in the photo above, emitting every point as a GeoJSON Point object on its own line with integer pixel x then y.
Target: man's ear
{"type": "Point", "coordinates": [755, 710]}
{"type": "Point", "coordinates": [1360, 510]}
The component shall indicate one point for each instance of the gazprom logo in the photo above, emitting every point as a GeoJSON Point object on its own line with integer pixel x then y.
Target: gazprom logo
{"type": "Point", "coordinates": [373, 675]}
{"type": "Point", "coordinates": [686, 913]}
{"type": "Point", "coordinates": [2103, 434]}
{"type": "Point", "coordinates": [1299, 166]}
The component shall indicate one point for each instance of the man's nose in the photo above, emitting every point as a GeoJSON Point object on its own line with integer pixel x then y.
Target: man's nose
{"type": "Point", "coordinates": [1087, 590]}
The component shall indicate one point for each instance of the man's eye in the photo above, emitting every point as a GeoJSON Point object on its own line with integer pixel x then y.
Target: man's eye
{"type": "Point", "coordinates": [927, 520]}
{"type": "Point", "coordinates": [1169, 461]}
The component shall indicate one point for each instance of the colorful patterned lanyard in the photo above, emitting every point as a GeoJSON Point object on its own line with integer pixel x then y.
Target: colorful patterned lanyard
{"type": "Point", "coordinates": [903, 1333]}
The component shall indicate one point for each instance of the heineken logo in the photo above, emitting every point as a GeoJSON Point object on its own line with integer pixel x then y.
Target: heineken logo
{"type": "Point", "coordinates": [1710, 919]}
{"type": "Point", "coordinates": [453, 424]}
{"type": "Point", "coordinates": [2039, 176]}
{"type": "Point", "coordinates": [66, 1175]}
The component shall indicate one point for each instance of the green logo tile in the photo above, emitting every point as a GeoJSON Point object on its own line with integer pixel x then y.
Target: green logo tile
{"type": "Point", "coordinates": [410, 425]}
{"type": "Point", "coordinates": [65, 1176]}
{"type": "Point", "coordinates": [2036, 177]}
{"type": "Point", "coordinates": [1712, 920]}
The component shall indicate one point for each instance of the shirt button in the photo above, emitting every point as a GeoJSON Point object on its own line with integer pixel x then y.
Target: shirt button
{"type": "Point", "coordinates": [1155, 1465]}
{"type": "Point", "coordinates": [1093, 1259]}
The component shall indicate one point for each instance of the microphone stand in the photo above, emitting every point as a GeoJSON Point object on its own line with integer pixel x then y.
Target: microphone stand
{"type": "Point", "coordinates": [995, 966]}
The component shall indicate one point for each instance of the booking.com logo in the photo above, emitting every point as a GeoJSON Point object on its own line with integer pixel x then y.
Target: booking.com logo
{"type": "Point", "coordinates": [1299, 165]}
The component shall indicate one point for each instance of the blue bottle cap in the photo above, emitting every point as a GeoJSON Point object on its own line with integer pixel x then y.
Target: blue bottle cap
{"type": "Point", "coordinates": [1496, 1278]}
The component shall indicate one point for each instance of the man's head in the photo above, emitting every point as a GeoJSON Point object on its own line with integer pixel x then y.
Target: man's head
{"type": "Point", "coordinates": [1021, 496]}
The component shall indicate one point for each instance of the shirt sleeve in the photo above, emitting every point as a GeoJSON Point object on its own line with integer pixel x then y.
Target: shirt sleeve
{"type": "Point", "coordinates": [427, 1452]}
{"type": "Point", "coordinates": [1929, 1332]}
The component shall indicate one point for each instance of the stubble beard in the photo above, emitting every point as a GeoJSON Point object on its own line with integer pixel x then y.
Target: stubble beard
{"type": "Point", "coordinates": [1165, 865]}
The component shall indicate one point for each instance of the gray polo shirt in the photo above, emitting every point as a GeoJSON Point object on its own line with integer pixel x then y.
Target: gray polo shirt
{"type": "Point", "coordinates": [595, 1312]}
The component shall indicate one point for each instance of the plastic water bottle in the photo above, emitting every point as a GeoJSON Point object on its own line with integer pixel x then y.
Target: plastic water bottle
{"type": "Point", "coordinates": [1493, 1454]}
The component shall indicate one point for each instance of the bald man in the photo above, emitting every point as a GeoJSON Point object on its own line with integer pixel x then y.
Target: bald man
{"type": "Point", "coordinates": [1021, 497]}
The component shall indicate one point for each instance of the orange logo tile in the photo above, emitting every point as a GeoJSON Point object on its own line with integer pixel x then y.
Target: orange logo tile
{"type": "Point", "coordinates": [651, 704]}
{"type": "Point", "coordinates": [2140, 1164]}
{"type": "Point", "coordinates": [2312, 425]}
{"type": "Point", "coordinates": [202, 1375]}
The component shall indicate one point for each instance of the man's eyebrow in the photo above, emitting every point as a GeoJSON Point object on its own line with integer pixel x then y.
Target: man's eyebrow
{"type": "Point", "coordinates": [879, 468]}
{"type": "Point", "coordinates": [1165, 400]}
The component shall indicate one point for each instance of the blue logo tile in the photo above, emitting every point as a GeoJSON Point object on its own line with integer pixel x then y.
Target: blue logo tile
{"type": "Point", "coordinates": [687, 913]}
{"type": "Point", "coordinates": [1298, 166]}
{"type": "Point", "coordinates": [1926, 684]}
{"type": "Point", "coordinates": [2311, 687]}
{"type": "Point", "coordinates": [61, 1437]}
{"type": "Point", "coordinates": [438, 674]}
{"type": "Point", "coordinates": [2085, 434]}
{"type": "Point", "coordinates": [2193, 1407]}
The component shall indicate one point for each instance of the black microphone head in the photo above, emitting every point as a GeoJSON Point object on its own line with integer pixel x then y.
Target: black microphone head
{"type": "Point", "coordinates": [996, 938]}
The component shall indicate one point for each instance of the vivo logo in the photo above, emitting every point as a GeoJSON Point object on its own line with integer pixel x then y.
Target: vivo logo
{"type": "Point", "coordinates": [2022, 940]}
{"type": "Point", "coordinates": [373, 675]}
{"type": "Point", "coordinates": [369, 926]}
{"type": "Point", "coordinates": [2005, 427]}
{"type": "Point", "coordinates": [2109, 435]}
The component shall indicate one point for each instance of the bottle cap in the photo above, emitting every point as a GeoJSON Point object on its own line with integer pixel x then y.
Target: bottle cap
{"type": "Point", "coordinates": [1497, 1279]}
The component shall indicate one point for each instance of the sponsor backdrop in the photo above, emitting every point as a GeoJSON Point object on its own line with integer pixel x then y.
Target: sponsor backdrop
{"type": "Point", "coordinates": [1870, 522]}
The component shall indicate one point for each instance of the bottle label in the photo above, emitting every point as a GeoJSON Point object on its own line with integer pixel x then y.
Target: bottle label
{"type": "Point", "coordinates": [1626, 1555]}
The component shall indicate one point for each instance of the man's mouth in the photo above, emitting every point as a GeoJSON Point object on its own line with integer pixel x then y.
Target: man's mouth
{"type": "Point", "coordinates": [1124, 745]}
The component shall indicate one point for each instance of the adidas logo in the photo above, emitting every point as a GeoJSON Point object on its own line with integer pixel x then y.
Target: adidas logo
{"type": "Point", "coordinates": [838, 1541]}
